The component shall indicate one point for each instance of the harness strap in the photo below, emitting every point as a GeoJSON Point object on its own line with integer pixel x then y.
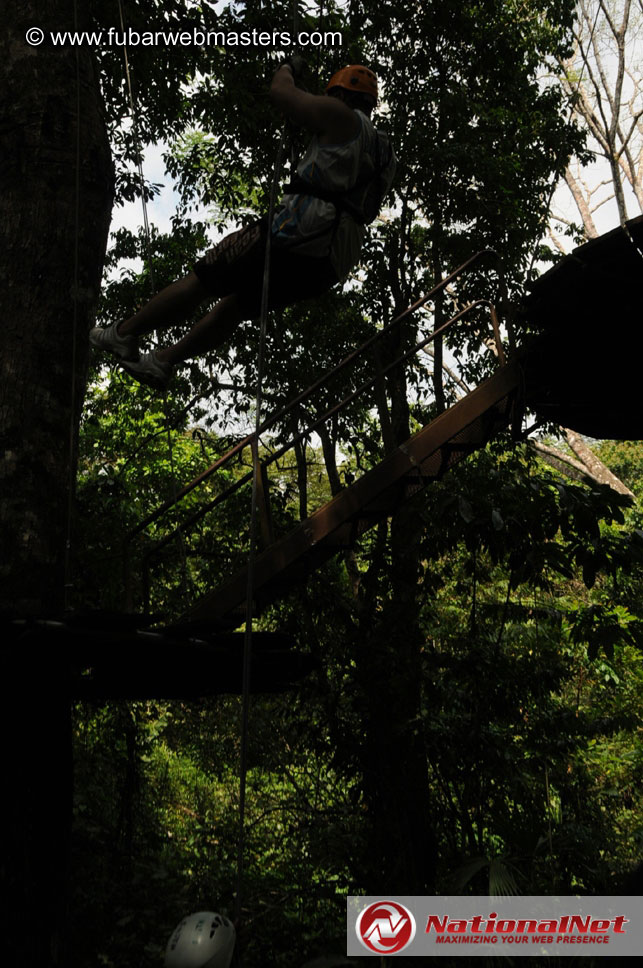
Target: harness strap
{"type": "Point", "coordinates": [342, 199]}
{"type": "Point", "coordinates": [299, 186]}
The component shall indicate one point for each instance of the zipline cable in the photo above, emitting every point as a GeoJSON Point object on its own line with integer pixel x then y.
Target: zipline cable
{"type": "Point", "coordinates": [68, 578]}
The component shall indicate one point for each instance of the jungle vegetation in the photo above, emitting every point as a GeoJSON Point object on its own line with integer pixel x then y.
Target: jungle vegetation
{"type": "Point", "coordinates": [473, 721]}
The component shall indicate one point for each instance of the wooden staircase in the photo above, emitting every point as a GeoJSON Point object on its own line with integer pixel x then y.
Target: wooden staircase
{"type": "Point", "coordinates": [335, 527]}
{"type": "Point", "coordinates": [403, 470]}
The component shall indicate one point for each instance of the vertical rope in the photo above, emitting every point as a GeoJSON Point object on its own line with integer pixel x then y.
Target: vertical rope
{"type": "Point", "coordinates": [320, 28]}
{"type": "Point", "coordinates": [185, 577]}
{"type": "Point", "coordinates": [293, 139]}
{"type": "Point", "coordinates": [247, 642]}
{"type": "Point", "coordinates": [68, 577]}
{"type": "Point", "coordinates": [150, 268]}
{"type": "Point", "coordinates": [139, 150]}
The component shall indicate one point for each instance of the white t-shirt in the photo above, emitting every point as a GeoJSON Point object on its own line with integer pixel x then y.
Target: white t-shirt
{"type": "Point", "coordinates": [310, 223]}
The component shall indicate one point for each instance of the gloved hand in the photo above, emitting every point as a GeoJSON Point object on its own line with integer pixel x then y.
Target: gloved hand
{"type": "Point", "coordinates": [297, 65]}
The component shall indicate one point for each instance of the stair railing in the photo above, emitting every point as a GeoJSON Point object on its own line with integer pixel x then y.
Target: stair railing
{"type": "Point", "coordinates": [252, 441]}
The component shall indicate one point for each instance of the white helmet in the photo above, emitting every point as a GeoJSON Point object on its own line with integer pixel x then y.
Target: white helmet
{"type": "Point", "coordinates": [202, 940]}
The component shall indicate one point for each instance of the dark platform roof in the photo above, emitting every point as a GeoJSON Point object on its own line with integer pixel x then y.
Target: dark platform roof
{"type": "Point", "coordinates": [585, 371]}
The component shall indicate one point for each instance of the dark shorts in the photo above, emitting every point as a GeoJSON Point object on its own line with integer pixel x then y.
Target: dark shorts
{"type": "Point", "coordinates": [236, 263]}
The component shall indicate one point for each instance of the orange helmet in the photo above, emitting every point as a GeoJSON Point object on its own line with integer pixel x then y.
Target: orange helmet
{"type": "Point", "coordinates": [355, 78]}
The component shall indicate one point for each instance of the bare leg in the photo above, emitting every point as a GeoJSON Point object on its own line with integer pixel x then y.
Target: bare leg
{"type": "Point", "coordinates": [170, 306]}
{"type": "Point", "coordinates": [214, 329]}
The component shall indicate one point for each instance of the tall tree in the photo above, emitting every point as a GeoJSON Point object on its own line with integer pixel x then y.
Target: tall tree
{"type": "Point", "coordinates": [478, 140]}
{"type": "Point", "coordinates": [55, 205]}
{"type": "Point", "coordinates": [603, 186]}
{"type": "Point", "coordinates": [603, 78]}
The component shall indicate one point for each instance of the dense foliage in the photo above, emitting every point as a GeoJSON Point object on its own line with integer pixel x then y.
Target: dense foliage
{"type": "Point", "coordinates": [529, 720]}
{"type": "Point", "coordinates": [472, 721]}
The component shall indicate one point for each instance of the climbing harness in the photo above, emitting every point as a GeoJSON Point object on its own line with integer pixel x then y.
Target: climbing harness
{"type": "Point", "coordinates": [363, 200]}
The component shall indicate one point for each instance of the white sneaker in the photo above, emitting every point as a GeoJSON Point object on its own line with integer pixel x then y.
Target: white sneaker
{"type": "Point", "coordinates": [109, 339]}
{"type": "Point", "coordinates": [150, 370]}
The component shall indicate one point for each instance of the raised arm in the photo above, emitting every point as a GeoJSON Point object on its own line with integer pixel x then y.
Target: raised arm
{"type": "Point", "coordinates": [327, 117]}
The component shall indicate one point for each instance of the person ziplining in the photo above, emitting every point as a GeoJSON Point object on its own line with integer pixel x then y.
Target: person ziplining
{"type": "Point", "coordinates": [316, 233]}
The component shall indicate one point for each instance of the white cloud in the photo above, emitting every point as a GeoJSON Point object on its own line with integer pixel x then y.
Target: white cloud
{"type": "Point", "coordinates": [159, 210]}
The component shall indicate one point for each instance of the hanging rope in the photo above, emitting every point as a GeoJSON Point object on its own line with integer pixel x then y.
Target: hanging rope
{"type": "Point", "coordinates": [68, 577]}
{"type": "Point", "coordinates": [139, 150]}
{"type": "Point", "coordinates": [150, 268]}
{"type": "Point", "coordinates": [320, 28]}
{"type": "Point", "coordinates": [247, 642]}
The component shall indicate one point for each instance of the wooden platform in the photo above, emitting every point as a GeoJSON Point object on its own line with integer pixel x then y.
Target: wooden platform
{"type": "Point", "coordinates": [114, 656]}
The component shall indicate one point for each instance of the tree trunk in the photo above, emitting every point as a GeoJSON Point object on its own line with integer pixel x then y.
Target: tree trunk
{"type": "Point", "coordinates": [401, 856]}
{"type": "Point", "coordinates": [401, 853]}
{"type": "Point", "coordinates": [48, 95]}
{"type": "Point", "coordinates": [45, 316]}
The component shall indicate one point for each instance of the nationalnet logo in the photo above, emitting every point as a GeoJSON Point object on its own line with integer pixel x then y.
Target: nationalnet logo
{"type": "Point", "coordinates": [513, 926]}
{"type": "Point", "coordinates": [385, 927]}
{"type": "Point", "coordinates": [567, 929]}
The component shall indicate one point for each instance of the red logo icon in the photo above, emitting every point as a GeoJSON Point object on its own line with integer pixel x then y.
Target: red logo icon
{"type": "Point", "coordinates": [385, 927]}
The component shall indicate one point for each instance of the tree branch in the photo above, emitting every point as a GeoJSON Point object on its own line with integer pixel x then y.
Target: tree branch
{"type": "Point", "coordinates": [594, 466]}
{"type": "Point", "coordinates": [581, 204]}
{"type": "Point", "coordinates": [567, 465]}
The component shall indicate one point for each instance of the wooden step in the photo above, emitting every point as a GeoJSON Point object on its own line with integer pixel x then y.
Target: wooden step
{"type": "Point", "coordinates": [426, 456]}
